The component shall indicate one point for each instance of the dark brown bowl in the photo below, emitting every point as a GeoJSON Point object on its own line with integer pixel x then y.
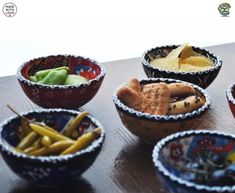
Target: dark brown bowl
{"type": "Point", "coordinates": [61, 96]}
{"type": "Point", "coordinates": [201, 78]}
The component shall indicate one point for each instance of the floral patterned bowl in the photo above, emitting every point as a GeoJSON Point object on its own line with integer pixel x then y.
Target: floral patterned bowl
{"type": "Point", "coordinates": [230, 93]}
{"type": "Point", "coordinates": [200, 78]}
{"type": "Point", "coordinates": [48, 170]}
{"type": "Point", "coordinates": [152, 128]}
{"type": "Point", "coordinates": [194, 162]}
{"type": "Point", "coordinates": [61, 96]}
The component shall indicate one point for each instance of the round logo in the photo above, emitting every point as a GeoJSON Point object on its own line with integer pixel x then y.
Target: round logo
{"type": "Point", "coordinates": [224, 9]}
{"type": "Point", "coordinates": [9, 9]}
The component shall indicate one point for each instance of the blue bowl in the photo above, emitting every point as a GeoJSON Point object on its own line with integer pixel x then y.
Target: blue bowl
{"type": "Point", "coordinates": [48, 170]}
{"type": "Point", "coordinates": [173, 154]}
{"type": "Point", "coordinates": [201, 78]}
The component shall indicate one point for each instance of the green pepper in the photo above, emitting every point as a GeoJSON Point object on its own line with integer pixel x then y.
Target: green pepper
{"type": "Point", "coordinates": [55, 77]}
{"type": "Point", "coordinates": [43, 73]}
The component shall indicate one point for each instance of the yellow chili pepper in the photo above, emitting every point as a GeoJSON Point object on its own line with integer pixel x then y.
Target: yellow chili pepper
{"type": "Point", "coordinates": [55, 148]}
{"type": "Point", "coordinates": [83, 141]}
{"type": "Point", "coordinates": [74, 124]}
{"type": "Point", "coordinates": [27, 140]}
{"type": "Point", "coordinates": [41, 130]}
{"type": "Point", "coordinates": [46, 141]}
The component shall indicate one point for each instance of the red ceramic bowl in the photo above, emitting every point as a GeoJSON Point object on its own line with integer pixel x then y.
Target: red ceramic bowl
{"type": "Point", "coordinates": [61, 96]}
{"type": "Point", "coordinates": [230, 93]}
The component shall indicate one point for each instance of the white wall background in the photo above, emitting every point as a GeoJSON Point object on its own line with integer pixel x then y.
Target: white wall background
{"type": "Point", "coordinates": [108, 29]}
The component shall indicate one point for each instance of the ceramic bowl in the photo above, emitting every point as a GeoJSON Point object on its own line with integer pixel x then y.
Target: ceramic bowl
{"type": "Point", "coordinates": [152, 128]}
{"type": "Point", "coordinates": [230, 93]}
{"type": "Point", "coordinates": [48, 170]}
{"type": "Point", "coordinates": [200, 78]}
{"type": "Point", "coordinates": [61, 96]}
{"type": "Point", "coordinates": [191, 149]}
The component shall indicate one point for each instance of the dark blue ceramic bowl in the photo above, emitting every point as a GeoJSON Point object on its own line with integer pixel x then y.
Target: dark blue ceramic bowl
{"type": "Point", "coordinates": [230, 93]}
{"type": "Point", "coordinates": [174, 153]}
{"type": "Point", "coordinates": [48, 170]}
{"type": "Point", "coordinates": [201, 78]}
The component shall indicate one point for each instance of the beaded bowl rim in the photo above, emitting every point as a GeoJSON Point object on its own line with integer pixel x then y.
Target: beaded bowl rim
{"type": "Point", "coordinates": [21, 78]}
{"type": "Point", "coordinates": [216, 65]}
{"type": "Point", "coordinates": [229, 93]}
{"type": "Point", "coordinates": [157, 164]}
{"type": "Point", "coordinates": [163, 118]}
{"type": "Point", "coordinates": [51, 159]}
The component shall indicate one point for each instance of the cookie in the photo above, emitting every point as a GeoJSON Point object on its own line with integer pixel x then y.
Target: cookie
{"type": "Point", "coordinates": [134, 84]}
{"type": "Point", "coordinates": [187, 105]}
{"type": "Point", "coordinates": [156, 98]}
{"type": "Point", "coordinates": [181, 89]}
{"type": "Point", "coordinates": [130, 97]}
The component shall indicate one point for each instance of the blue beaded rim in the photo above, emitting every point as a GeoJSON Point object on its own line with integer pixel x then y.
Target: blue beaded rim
{"type": "Point", "coordinates": [31, 83]}
{"type": "Point", "coordinates": [216, 66]}
{"type": "Point", "coordinates": [166, 173]}
{"type": "Point", "coordinates": [163, 118]}
{"type": "Point", "coordinates": [229, 93]}
{"type": "Point", "coordinates": [54, 159]}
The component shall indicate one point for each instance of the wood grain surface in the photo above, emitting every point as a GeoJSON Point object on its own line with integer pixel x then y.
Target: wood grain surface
{"type": "Point", "coordinates": [125, 163]}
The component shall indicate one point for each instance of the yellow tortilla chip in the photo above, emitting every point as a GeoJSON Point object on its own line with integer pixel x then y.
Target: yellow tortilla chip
{"type": "Point", "coordinates": [197, 61]}
{"type": "Point", "coordinates": [186, 52]}
{"type": "Point", "coordinates": [176, 52]}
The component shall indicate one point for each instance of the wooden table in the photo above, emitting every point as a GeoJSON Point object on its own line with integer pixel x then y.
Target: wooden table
{"type": "Point", "coordinates": [125, 163]}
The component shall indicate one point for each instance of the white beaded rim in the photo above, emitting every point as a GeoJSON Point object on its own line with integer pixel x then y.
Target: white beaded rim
{"type": "Point", "coordinates": [229, 93]}
{"type": "Point", "coordinates": [21, 78]}
{"type": "Point", "coordinates": [164, 171]}
{"type": "Point", "coordinates": [216, 66]}
{"type": "Point", "coordinates": [139, 114]}
{"type": "Point", "coordinates": [54, 159]}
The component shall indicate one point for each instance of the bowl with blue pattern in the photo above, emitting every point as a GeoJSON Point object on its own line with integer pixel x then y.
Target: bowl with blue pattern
{"type": "Point", "coordinates": [230, 94]}
{"type": "Point", "coordinates": [201, 161]}
{"type": "Point", "coordinates": [61, 96]}
{"type": "Point", "coordinates": [201, 78]}
{"type": "Point", "coordinates": [151, 127]}
{"type": "Point", "coordinates": [48, 170]}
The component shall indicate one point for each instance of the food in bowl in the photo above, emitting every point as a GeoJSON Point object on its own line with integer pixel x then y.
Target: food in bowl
{"type": "Point", "coordinates": [183, 59]}
{"type": "Point", "coordinates": [71, 95]}
{"type": "Point", "coordinates": [38, 139]}
{"type": "Point", "coordinates": [152, 127]}
{"type": "Point", "coordinates": [49, 170]}
{"type": "Point", "coordinates": [196, 161]}
{"type": "Point", "coordinates": [161, 98]}
{"type": "Point", "coordinates": [202, 78]}
{"type": "Point", "coordinates": [57, 76]}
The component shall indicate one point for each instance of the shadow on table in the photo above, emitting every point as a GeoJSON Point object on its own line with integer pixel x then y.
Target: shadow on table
{"type": "Point", "coordinates": [134, 171]}
{"type": "Point", "coordinates": [79, 186]}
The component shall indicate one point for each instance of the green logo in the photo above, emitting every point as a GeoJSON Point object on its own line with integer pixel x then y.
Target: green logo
{"type": "Point", "coordinates": [224, 9]}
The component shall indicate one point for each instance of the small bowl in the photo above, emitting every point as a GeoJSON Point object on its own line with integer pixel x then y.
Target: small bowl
{"type": "Point", "coordinates": [152, 128]}
{"type": "Point", "coordinates": [230, 93]}
{"type": "Point", "coordinates": [48, 170]}
{"type": "Point", "coordinates": [170, 155]}
{"type": "Point", "coordinates": [61, 96]}
{"type": "Point", "coordinates": [201, 78]}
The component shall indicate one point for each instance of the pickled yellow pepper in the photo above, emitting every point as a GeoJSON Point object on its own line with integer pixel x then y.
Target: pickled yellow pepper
{"type": "Point", "coordinates": [55, 148]}
{"type": "Point", "coordinates": [83, 141]}
{"type": "Point", "coordinates": [27, 140]}
{"type": "Point", "coordinates": [74, 124]}
{"type": "Point", "coordinates": [43, 131]}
